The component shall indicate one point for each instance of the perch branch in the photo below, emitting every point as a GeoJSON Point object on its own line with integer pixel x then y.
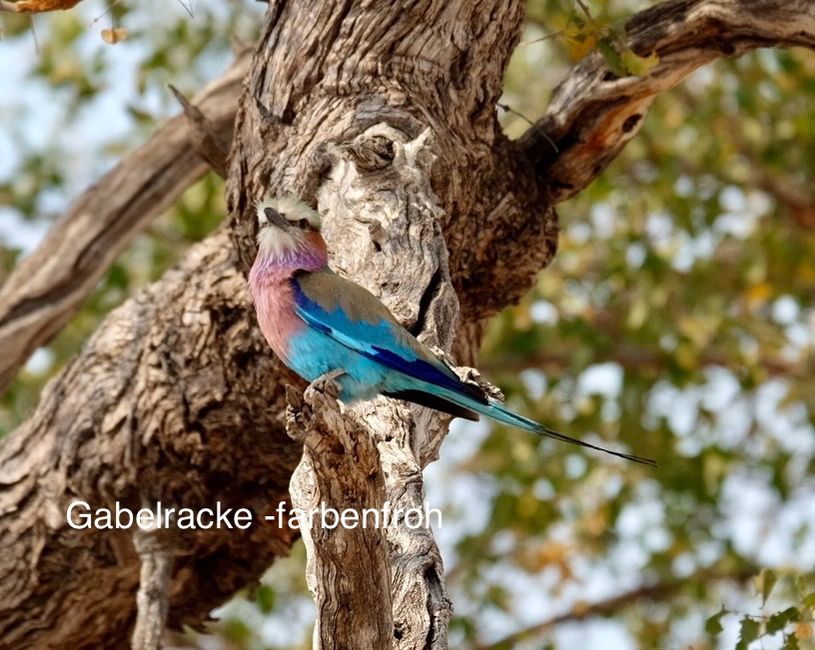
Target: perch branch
{"type": "Point", "coordinates": [348, 569]}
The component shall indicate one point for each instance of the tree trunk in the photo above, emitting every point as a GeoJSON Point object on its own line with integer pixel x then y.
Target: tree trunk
{"type": "Point", "coordinates": [177, 397]}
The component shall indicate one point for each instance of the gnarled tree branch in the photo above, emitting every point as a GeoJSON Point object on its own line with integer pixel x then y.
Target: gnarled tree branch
{"type": "Point", "coordinates": [348, 568]}
{"type": "Point", "coordinates": [177, 397]}
{"type": "Point", "coordinates": [47, 288]}
{"type": "Point", "coordinates": [593, 113]}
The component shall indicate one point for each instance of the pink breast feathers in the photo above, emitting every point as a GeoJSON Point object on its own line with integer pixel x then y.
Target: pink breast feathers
{"type": "Point", "coordinates": [274, 304]}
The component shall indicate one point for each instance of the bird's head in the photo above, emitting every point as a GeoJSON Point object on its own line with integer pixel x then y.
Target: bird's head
{"type": "Point", "coordinates": [288, 226]}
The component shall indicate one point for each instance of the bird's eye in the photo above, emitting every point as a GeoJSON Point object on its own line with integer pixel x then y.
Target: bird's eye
{"type": "Point", "coordinates": [304, 223]}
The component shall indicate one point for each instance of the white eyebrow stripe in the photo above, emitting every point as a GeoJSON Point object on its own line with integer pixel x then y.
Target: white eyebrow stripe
{"type": "Point", "coordinates": [291, 207]}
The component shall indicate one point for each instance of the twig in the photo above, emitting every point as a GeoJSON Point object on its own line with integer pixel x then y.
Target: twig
{"type": "Point", "coordinates": [509, 109]}
{"type": "Point", "coordinates": [205, 137]}
{"type": "Point", "coordinates": [615, 603]}
{"type": "Point", "coordinates": [156, 552]}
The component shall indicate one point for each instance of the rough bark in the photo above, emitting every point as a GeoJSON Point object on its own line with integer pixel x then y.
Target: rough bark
{"type": "Point", "coordinates": [176, 397]}
{"type": "Point", "coordinates": [348, 569]}
{"type": "Point", "coordinates": [47, 288]}
{"type": "Point", "coordinates": [384, 175]}
{"type": "Point", "coordinates": [171, 400]}
{"type": "Point", "coordinates": [381, 220]}
{"type": "Point", "coordinates": [593, 113]}
{"type": "Point", "coordinates": [156, 550]}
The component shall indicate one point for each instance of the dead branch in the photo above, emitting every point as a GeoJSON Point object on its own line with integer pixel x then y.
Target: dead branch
{"type": "Point", "coordinates": [645, 593]}
{"type": "Point", "coordinates": [47, 288]}
{"type": "Point", "coordinates": [208, 142]}
{"type": "Point", "coordinates": [156, 552]}
{"type": "Point", "coordinates": [593, 113]}
{"type": "Point", "coordinates": [348, 569]}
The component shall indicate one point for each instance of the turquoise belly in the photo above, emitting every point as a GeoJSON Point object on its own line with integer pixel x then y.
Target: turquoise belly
{"type": "Point", "coordinates": [313, 354]}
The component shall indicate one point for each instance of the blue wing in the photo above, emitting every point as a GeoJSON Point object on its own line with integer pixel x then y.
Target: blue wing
{"type": "Point", "coordinates": [355, 318]}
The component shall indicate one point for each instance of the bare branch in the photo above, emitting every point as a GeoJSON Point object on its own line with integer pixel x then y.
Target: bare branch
{"type": "Point", "coordinates": [644, 362]}
{"type": "Point", "coordinates": [593, 113]}
{"type": "Point", "coordinates": [609, 606]}
{"type": "Point", "coordinates": [209, 144]}
{"type": "Point", "coordinates": [47, 288]}
{"type": "Point", "coordinates": [348, 568]}
{"type": "Point", "coordinates": [156, 552]}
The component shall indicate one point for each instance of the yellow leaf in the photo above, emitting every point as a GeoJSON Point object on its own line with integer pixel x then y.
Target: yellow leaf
{"type": "Point", "coordinates": [38, 6]}
{"type": "Point", "coordinates": [757, 294]}
{"type": "Point", "coordinates": [696, 329]}
{"type": "Point", "coordinates": [579, 42]}
{"type": "Point", "coordinates": [114, 35]}
{"type": "Point", "coordinates": [686, 356]}
{"type": "Point", "coordinates": [639, 65]}
{"type": "Point", "coordinates": [803, 631]}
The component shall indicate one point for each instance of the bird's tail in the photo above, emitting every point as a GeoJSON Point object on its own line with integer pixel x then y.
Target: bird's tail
{"type": "Point", "coordinates": [497, 411]}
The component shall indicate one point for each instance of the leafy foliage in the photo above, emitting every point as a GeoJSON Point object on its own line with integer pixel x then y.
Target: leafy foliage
{"type": "Point", "coordinates": [788, 627]}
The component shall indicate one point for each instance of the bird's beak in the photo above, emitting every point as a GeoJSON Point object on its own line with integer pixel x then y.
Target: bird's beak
{"type": "Point", "coordinates": [275, 218]}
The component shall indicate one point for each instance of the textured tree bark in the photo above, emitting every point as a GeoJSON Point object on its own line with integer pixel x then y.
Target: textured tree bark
{"type": "Point", "coordinates": [171, 400]}
{"type": "Point", "coordinates": [386, 174]}
{"type": "Point", "coordinates": [348, 569]}
{"type": "Point", "coordinates": [176, 397]}
{"type": "Point", "coordinates": [47, 288]}
{"type": "Point", "coordinates": [593, 113]}
{"type": "Point", "coordinates": [366, 148]}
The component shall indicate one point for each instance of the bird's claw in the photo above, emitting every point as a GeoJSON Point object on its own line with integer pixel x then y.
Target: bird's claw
{"type": "Point", "coordinates": [327, 384]}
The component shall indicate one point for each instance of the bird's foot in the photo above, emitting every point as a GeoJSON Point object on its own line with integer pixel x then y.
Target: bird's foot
{"type": "Point", "coordinates": [327, 384]}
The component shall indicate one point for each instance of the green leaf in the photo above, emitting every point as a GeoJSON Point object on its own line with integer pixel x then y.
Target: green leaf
{"type": "Point", "coordinates": [265, 598]}
{"type": "Point", "coordinates": [780, 620]}
{"type": "Point", "coordinates": [237, 631]}
{"type": "Point", "coordinates": [790, 643]}
{"type": "Point", "coordinates": [713, 625]}
{"type": "Point", "coordinates": [765, 581]}
{"type": "Point", "coordinates": [613, 60]}
{"type": "Point", "coordinates": [750, 629]}
{"type": "Point", "coordinates": [639, 65]}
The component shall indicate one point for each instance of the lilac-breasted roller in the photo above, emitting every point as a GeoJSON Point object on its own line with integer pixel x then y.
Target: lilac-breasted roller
{"type": "Point", "coordinates": [318, 322]}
